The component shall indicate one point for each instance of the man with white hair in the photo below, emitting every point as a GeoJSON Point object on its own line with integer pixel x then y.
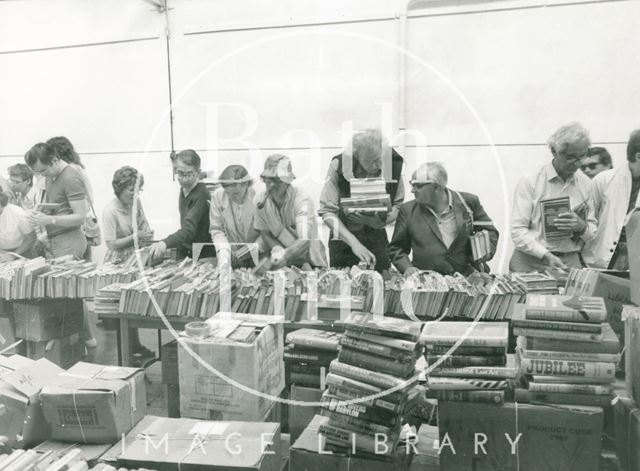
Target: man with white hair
{"type": "Point", "coordinates": [360, 236]}
{"type": "Point", "coordinates": [436, 226]}
{"type": "Point", "coordinates": [286, 219]}
{"type": "Point", "coordinates": [559, 178]}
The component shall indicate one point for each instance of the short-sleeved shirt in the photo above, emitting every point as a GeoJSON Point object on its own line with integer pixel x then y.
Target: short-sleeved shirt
{"type": "Point", "coordinates": [117, 222]}
{"type": "Point", "coordinates": [68, 186]}
{"type": "Point", "coordinates": [14, 226]}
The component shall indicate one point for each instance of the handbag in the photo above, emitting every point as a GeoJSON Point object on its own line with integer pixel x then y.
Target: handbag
{"type": "Point", "coordinates": [92, 228]}
{"type": "Point", "coordinates": [479, 241]}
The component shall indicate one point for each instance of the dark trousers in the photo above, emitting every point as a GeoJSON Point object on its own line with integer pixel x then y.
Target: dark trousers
{"type": "Point", "coordinates": [340, 254]}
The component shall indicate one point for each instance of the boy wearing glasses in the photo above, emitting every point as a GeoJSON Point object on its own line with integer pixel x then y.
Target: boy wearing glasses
{"type": "Point", "coordinates": [436, 226]}
{"type": "Point", "coordinates": [615, 195]}
{"type": "Point", "coordinates": [193, 205]}
{"type": "Point", "coordinates": [597, 160]}
{"type": "Point", "coordinates": [232, 216]}
{"type": "Point", "coordinates": [558, 178]}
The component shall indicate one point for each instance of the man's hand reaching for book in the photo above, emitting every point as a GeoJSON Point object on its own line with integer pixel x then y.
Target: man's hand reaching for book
{"type": "Point", "coordinates": [570, 222]}
{"type": "Point", "coordinates": [553, 262]}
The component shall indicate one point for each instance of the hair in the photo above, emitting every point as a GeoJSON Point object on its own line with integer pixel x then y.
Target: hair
{"type": "Point", "coordinates": [124, 177]}
{"type": "Point", "coordinates": [568, 134]}
{"type": "Point", "coordinates": [65, 150]}
{"type": "Point", "coordinates": [234, 172]}
{"type": "Point", "coordinates": [633, 146]}
{"type": "Point", "coordinates": [367, 140]}
{"type": "Point", "coordinates": [602, 154]}
{"type": "Point", "coordinates": [432, 171]}
{"type": "Point", "coordinates": [188, 157]}
{"type": "Point", "coordinates": [41, 152]}
{"type": "Point", "coordinates": [22, 171]}
{"type": "Point", "coordinates": [4, 199]}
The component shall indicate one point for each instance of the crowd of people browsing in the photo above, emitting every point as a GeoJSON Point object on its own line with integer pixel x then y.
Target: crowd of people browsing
{"type": "Point", "coordinates": [46, 208]}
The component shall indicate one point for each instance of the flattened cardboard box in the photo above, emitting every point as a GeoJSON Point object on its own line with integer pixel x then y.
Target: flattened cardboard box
{"type": "Point", "coordinates": [94, 403]}
{"type": "Point", "coordinates": [21, 418]}
{"type": "Point", "coordinates": [167, 444]}
{"type": "Point", "coordinates": [40, 320]}
{"type": "Point", "coordinates": [627, 426]}
{"type": "Point", "coordinates": [553, 438]}
{"type": "Point", "coordinates": [257, 365]}
{"type": "Point", "coordinates": [64, 352]}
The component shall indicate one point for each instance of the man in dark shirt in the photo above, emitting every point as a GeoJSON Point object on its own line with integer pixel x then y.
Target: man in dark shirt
{"type": "Point", "coordinates": [194, 210]}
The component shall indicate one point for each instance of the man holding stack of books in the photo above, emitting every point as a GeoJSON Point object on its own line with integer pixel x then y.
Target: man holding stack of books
{"type": "Point", "coordinates": [361, 195]}
{"type": "Point", "coordinates": [553, 213]}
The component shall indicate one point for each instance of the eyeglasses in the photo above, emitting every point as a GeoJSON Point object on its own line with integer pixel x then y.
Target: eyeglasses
{"type": "Point", "coordinates": [419, 185]}
{"type": "Point", "coordinates": [591, 166]}
{"type": "Point", "coordinates": [181, 174]}
{"type": "Point", "coordinates": [272, 180]}
{"type": "Point", "coordinates": [572, 158]}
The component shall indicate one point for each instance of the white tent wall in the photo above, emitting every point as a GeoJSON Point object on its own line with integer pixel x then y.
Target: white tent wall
{"type": "Point", "coordinates": [249, 78]}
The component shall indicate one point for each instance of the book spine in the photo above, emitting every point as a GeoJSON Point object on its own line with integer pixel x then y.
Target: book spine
{"type": "Point", "coordinates": [363, 360]}
{"type": "Point", "coordinates": [385, 333]}
{"type": "Point", "coordinates": [307, 358]}
{"type": "Point", "coordinates": [314, 342]}
{"type": "Point", "coordinates": [566, 316]}
{"type": "Point", "coordinates": [558, 335]}
{"type": "Point", "coordinates": [305, 379]}
{"type": "Point", "coordinates": [364, 375]}
{"type": "Point", "coordinates": [581, 369]}
{"type": "Point", "coordinates": [470, 384]}
{"type": "Point", "coordinates": [493, 372]}
{"type": "Point", "coordinates": [523, 395]}
{"type": "Point", "coordinates": [468, 360]}
{"type": "Point", "coordinates": [377, 349]}
{"type": "Point", "coordinates": [351, 423]}
{"type": "Point", "coordinates": [364, 388]}
{"type": "Point", "coordinates": [493, 397]}
{"type": "Point", "coordinates": [462, 350]}
{"type": "Point", "coordinates": [470, 342]}
{"type": "Point", "coordinates": [595, 389]}
{"type": "Point", "coordinates": [544, 355]}
{"type": "Point", "coordinates": [399, 344]}
{"type": "Point", "coordinates": [554, 325]}
{"type": "Point", "coordinates": [358, 411]}
{"type": "Point", "coordinates": [349, 394]}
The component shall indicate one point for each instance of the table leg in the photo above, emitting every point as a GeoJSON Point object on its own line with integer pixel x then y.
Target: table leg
{"type": "Point", "coordinates": [159, 344]}
{"type": "Point", "coordinates": [119, 344]}
{"type": "Point", "coordinates": [124, 341]}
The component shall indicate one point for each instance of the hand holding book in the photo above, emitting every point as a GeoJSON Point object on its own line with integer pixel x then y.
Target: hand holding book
{"type": "Point", "coordinates": [570, 222]}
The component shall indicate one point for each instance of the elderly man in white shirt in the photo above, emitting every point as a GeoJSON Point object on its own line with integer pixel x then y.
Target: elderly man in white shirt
{"type": "Point", "coordinates": [559, 178]}
{"type": "Point", "coordinates": [615, 195]}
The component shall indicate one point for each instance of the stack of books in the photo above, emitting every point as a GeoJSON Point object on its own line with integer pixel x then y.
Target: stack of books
{"type": "Point", "coordinates": [432, 295]}
{"type": "Point", "coordinates": [536, 283]}
{"type": "Point", "coordinates": [307, 355]}
{"type": "Point", "coordinates": [368, 195]}
{"type": "Point", "coordinates": [368, 386]}
{"type": "Point", "coordinates": [567, 352]}
{"type": "Point", "coordinates": [468, 361]}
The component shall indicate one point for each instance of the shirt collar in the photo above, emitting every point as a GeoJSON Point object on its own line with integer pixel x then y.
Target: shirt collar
{"type": "Point", "coordinates": [449, 205]}
{"type": "Point", "coordinates": [551, 174]}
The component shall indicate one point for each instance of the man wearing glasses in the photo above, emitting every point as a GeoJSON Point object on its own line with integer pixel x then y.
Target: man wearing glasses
{"type": "Point", "coordinates": [286, 219]}
{"type": "Point", "coordinates": [232, 216]}
{"type": "Point", "coordinates": [615, 195]}
{"type": "Point", "coordinates": [193, 205]}
{"type": "Point", "coordinates": [558, 178]}
{"type": "Point", "coordinates": [436, 226]}
{"type": "Point", "coordinates": [597, 160]}
{"type": "Point", "coordinates": [361, 236]}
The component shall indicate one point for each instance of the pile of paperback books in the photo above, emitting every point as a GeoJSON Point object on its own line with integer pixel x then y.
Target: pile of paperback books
{"type": "Point", "coordinates": [366, 368]}
{"type": "Point", "coordinates": [308, 354]}
{"type": "Point", "coordinates": [368, 195]}
{"type": "Point", "coordinates": [468, 361]}
{"type": "Point", "coordinates": [567, 352]}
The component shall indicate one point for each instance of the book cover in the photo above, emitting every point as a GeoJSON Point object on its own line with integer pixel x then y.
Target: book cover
{"type": "Point", "coordinates": [432, 349]}
{"type": "Point", "coordinates": [609, 343]}
{"type": "Point", "coordinates": [485, 334]}
{"type": "Point", "coordinates": [355, 424]}
{"type": "Point", "coordinates": [376, 363]}
{"type": "Point", "coordinates": [382, 350]}
{"type": "Point", "coordinates": [587, 309]}
{"type": "Point", "coordinates": [359, 411]}
{"type": "Point", "coordinates": [464, 384]}
{"type": "Point", "coordinates": [467, 360]}
{"type": "Point", "coordinates": [397, 344]}
{"type": "Point", "coordinates": [523, 395]}
{"type": "Point", "coordinates": [492, 397]}
{"type": "Point", "coordinates": [321, 339]}
{"type": "Point", "coordinates": [595, 389]}
{"type": "Point", "coordinates": [558, 335]}
{"type": "Point", "coordinates": [550, 209]}
{"type": "Point", "coordinates": [509, 371]}
{"type": "Point", "coordinates": [367, 376]}
{"type": "Point", "coordinates": [386, 327]}
{"type": "Point", "coordinates": [571, 368]}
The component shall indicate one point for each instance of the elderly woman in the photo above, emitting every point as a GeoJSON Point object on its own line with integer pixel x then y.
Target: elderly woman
{"type": "Point", "coordinates": [118, 219]}
{"type": "Point", "coordinates": [232, 215]}
{"type": "Point", "coordinates": [16, 232]}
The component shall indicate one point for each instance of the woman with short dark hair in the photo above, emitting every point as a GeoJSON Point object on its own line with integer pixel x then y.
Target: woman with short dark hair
{"type": "Point", "coordinates": [118, 218]}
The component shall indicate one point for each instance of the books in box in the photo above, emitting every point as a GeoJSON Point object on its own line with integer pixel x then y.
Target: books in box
{"type": "Point", "coordinates": [92, 403]}
{"type": "Point", "coordinates": [21, 417]}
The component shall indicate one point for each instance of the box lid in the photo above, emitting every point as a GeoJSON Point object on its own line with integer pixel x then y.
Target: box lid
{"type": "Point", "coordinates": [30, 379]}
{"type": "Point", "coordinates": [12, 363]}
{"type": "Point", "coordinates": [93, 377]}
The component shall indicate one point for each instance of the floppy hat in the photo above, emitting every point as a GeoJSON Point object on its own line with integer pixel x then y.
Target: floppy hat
{"type": "Point", "coordinates": [278, 166]}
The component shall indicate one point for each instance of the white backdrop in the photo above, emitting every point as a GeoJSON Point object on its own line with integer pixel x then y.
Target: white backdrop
{"type": "Point", "coordinates": [271, 72]}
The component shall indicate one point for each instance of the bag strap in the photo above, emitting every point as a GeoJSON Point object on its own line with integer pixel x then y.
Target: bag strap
{"type": "Point", "coordinates": [464, 203]}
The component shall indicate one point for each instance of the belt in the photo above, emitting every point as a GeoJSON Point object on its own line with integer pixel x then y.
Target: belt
{"type": "Point", "coordinates": [563, 254]}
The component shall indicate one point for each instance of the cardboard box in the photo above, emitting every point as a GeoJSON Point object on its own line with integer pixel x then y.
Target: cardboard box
{"type": "Point", "coordinates": [169, 361]}
{"type": "Point", "coordinates": [94, 403]}
{"type": "Point", "coordinates": [64, 352]}
{"type": "Point", "coordinates": [627, 425]}
{"type": "Point", "coordinates": [48, 319]}
{"type": "Point", "coordinates": [10, 363]}
{"type": "Point", "coordinates": [308, 453]}
{"type": "Point", "coordinates": [631, 315]}
{"type": "Point", "coordinates": [553, 437]}
{"type": "Point", "coordinates": [21, 417]}
{"type": "Point", "coordinates": [173, 400]}
{"type": "Point", "coordinates": [194, 445]}
{"type": "Point", "coordinates": [256, 367]}
{"type": "Point", "coordinates": [301, 415]}
{"type": "Point", "coordinates": [633, 248]}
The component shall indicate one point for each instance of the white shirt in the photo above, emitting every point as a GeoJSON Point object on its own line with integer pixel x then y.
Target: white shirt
{"type": "Point", "coordinates": [14, 226]}
{"type": "Point", "coordinates": [526, 221]}
{"type": "Point", "coordinates": [611, 191]}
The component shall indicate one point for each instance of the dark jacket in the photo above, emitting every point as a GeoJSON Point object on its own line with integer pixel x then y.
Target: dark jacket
{"type": "Point", "coordinates": [417, 230]}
